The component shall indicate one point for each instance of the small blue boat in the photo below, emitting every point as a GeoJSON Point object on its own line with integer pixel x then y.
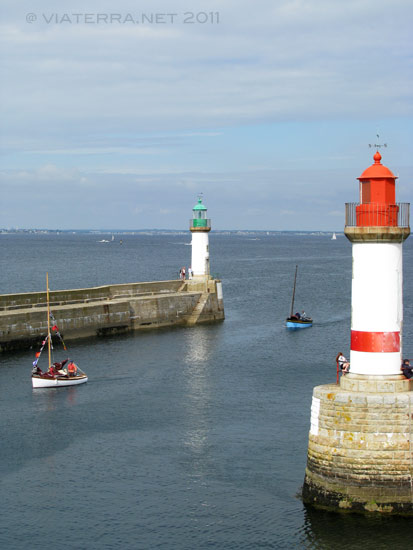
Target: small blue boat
{"type": "Point", "coordinates": [297, 321]}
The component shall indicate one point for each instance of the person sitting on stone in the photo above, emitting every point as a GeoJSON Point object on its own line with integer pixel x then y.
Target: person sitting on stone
{"type": "Point", "coordinates": [407, 370]}
{"type": "Point", "coordinates": [343, 363]}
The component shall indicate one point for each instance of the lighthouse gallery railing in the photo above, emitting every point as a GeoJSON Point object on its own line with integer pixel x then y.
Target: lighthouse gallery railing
{"type": "Point", "coordinates": [378, 215]}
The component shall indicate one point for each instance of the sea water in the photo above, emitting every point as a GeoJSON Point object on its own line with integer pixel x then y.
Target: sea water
{"type": "Point", "coordinates": [183, 438]}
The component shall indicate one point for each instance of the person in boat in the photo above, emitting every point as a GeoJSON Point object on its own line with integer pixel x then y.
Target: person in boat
{"type": "Point", "coordinates": [71, 369]}
{"type": "Point", "coordinates": [303, 315]}
{"type": "Point", "coordinates": [37, 370]}
{"type": "Point", "coordinates": [296, 315]}
{"type": "Point", "coordinates": [343, 363]}
{"type": "Point", "coordinates": [56, 368]}
{"type": "Point", "coordinates": [407, 369]}
{"type": "Point", "coordinates": [59, 366]}
{"type": "Point", "coordinates": [53, 371]}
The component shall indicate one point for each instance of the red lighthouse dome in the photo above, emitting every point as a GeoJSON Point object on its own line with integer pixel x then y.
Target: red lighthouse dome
{"type": "Point", "coordinates": [377, 196]}
{"type": "Point", "coordinates": [377, 170]}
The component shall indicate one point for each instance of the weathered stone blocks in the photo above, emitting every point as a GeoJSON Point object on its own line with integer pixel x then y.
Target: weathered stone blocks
{"type": "Point", "coordinates": [360, 452]}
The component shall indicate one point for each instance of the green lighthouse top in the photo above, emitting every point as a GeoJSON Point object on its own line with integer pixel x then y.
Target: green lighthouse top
{"type": "Point", "coordinates": [199, 220]}
{"type": "Point", "coordinates": [199, 206]}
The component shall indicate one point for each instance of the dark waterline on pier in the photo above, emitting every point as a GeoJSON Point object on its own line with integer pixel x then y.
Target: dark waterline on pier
{"type": "Point", "coordinates": [183, 438]}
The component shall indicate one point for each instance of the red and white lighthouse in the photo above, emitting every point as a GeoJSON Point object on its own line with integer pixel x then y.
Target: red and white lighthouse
{"type": "Point", "coordinates": [359, 448]}
{"type": "Point", "coordinates": [377, 227]}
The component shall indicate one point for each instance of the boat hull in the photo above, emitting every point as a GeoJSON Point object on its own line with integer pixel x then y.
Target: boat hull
{"type": "Point", "coordinates": [58, 382]}
{"type": "Point", "coordinates": [298, 324]}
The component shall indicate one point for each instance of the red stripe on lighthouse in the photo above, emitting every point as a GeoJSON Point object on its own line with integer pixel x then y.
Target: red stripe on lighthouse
{"type": "Point", "coordinates": [381, 342]}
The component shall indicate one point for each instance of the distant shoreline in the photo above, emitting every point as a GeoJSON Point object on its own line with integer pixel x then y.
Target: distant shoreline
{"type": "Point", "coordinates": [118, 232]}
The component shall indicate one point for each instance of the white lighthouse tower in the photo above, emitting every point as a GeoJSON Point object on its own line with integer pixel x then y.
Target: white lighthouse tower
{"type": "Point", "coordinates": [377, 228]}
{"type": "Point", "coordinates": [200, 226]}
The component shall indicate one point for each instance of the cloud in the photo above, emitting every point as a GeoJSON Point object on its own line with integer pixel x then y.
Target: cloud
{"type": "Point", "coordinates": [179, 75]}
{"type": "Point", "coordinates": [48, 174]}
{"type": "Point", "coordinates": [271, 105]}
{"type": "Point", "coordinates": [99, 151]}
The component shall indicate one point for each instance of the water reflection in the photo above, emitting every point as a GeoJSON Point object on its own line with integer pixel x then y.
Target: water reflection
{"type": "Point", "coordinates": [198, 390]}
{"type": "Point", "coordinates": [325, 530]}
{"type": "Point", "coordinates": [52, 427]}
{"type": "Point", "coordinates": [199, 345]}
{"type": "Point", "coordinates": [49, 399]}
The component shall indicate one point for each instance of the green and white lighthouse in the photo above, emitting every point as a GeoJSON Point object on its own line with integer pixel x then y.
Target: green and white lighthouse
{"type": "Point", "coordinates": [200, 226]}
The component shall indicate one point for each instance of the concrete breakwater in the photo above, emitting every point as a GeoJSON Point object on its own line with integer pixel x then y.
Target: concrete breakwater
{"type": "Point", "coordinates": [110, 309]}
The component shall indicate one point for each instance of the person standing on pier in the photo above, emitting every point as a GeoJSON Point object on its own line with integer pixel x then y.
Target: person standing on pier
{"type": "Point", "coordinates": [407, 369]}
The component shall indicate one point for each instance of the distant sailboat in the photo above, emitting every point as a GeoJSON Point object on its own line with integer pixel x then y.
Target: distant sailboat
{"type": "Point", "coordinates": [333, 238]}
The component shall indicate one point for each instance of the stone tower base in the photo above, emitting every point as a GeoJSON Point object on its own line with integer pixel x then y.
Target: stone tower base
{"type": "Point", "coordinates": [360, 452]}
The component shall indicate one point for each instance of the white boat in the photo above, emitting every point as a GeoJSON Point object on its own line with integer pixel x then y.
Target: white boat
{"type": "Point", "coordinates": [66, 373]}
{"type": "Point", "coordinates": [334, 237]}
{"type": "Point", "coordinates": [59, 381]}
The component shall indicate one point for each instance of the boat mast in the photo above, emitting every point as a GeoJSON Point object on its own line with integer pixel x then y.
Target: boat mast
{"type": "Point", "coordinates": [292, 301]}
{"type": "Point", "coordinates": [48, 322]}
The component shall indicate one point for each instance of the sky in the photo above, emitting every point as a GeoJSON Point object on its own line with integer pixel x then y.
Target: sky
{"type": "Point", "coordinates": [116, 115]}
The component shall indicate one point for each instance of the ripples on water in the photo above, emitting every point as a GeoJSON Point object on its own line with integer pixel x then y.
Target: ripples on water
{"type": "Point", "coordinates": [183, 438]}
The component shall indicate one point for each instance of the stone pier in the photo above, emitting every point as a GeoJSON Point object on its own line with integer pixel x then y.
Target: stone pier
{"type": "Point", "coordinates": [110, 309]}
